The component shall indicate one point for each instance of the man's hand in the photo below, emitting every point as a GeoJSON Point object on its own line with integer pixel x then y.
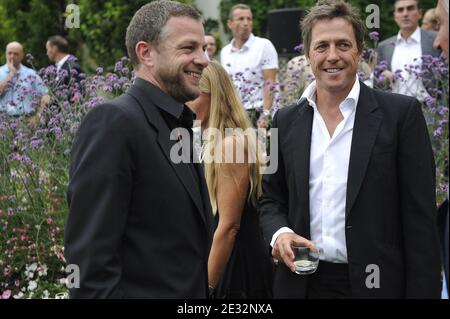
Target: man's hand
{"type": "Point", "coordinates": [12, 69]}
{"type": "Point", "coordinates": [12, 72]}
{"type": "Point", "coordinates": [36, 119]}
{"type": "Point", "coordinates": [282, 250]}
{"type": "Point", "coordinates": [45, 100]}
{"type": "Point", "coordinates": [263, 121]}
{"type": "Point", "coordinates": [388, 75]}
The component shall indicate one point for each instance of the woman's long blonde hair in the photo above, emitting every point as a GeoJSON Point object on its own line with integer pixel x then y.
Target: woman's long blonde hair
{"type": "Point", "coordinates": [226, 111]}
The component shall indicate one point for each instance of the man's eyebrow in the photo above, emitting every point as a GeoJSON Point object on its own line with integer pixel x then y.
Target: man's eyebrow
{"type": "Point", "coordinates": [187, 42]}
{"type": "Point", "coordinates": [412, 6]}
{"type": "Point", "coordinates": [327, 41]}
{"type": "Point", "coordinates": [343, 40]}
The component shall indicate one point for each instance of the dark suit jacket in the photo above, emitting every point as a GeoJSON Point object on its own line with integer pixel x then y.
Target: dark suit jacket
{"type": "Point", "coordinates": [138, 225]}
{"type": "Point", "coordinates": [444, 236]}
{"type": "Point", "coordinates": [386, 48]}
{"type": "Point", "coordinates": [71, 64]}
{"type": "Point", "coordinates": [390, 201]}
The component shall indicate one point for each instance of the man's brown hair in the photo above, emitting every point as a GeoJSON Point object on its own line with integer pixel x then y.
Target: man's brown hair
{"type": "Point", "coordinates": [330, 9]}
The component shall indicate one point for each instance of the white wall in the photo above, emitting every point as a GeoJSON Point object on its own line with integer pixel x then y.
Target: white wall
{"type": "Point", "coordinates": [210, 9]}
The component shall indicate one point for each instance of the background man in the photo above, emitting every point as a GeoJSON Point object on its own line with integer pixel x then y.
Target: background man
{"type": "Point", "coordinates": [58, 52]}
{"type": "Point", "coordinates": [252, 63]}
{"type": "Point", "coordinates": [211, 46]}
{"type": "Point", "coordinates": [429, 21]}
{"type": "Point", "coordinates": [140, 225]}
{"type": "Point", "coordinates": [441, 40]}
{"type": "Point", "coordinates": [355, 177]}
{"type": "Point", "coordinates": [21, 89]}
{"type": "Point", "coordinates": [406, 48]}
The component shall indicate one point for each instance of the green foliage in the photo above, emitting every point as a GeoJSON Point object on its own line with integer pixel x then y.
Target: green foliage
{"type": "Point", "coordinates": [30, 23]}
{"type": "Point", "coordinates": [34, 176]}
{"type": "Point", "coordinates": [101, 36]}
{"type": "Point", "coordinates": [100, 40]}
{"type": "Point", "coordinates": [103, 27]}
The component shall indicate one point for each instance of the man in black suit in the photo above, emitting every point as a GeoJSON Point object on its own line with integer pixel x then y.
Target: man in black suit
{"type": "Point", "coordinates": [140, 225]}
{"type": "Point", "coordinates": [355, 178]}
{"type": "Point", "coordinates": [58, 52]}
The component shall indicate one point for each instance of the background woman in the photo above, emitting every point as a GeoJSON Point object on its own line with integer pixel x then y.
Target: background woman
{"type": "Point", "coordinates": [239, 264]}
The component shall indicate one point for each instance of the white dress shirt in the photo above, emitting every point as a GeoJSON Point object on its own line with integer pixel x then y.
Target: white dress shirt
{"type": "Point", "coordinates": [59, 65]}
{"type": "Point", "coordinates": [408, 52]}
{"type": "Point", "coordinates": [329, 162]}
{"type": "Point", "coordinates": [61, 62]}
{"type": "Point", "coordinates": [246, 65]}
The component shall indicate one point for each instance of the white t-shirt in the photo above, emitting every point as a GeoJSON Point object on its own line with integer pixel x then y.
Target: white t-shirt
{"type": "Point", "coordinates": [246, 66]}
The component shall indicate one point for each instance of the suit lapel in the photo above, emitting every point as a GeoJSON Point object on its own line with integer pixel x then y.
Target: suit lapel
{"type": "Point", "coordinates": [367, 122]}
{"type": "Point", "coordinates": [301, 136]}
{"type": "Point", "coordinates": [426, 42]}
{"type": "Point", "coordinates": [390, 47]}
{"type": "Point", "coordinates": [182, 170]}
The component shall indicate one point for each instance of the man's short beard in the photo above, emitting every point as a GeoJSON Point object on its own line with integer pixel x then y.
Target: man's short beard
{"type": "Point", "coordinates": [175, 87]}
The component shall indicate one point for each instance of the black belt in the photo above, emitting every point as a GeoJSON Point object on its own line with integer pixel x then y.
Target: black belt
{"type": "Point", "coordinates": [332, 269]}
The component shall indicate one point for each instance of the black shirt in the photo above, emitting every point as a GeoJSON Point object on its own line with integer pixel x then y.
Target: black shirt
{"type": "Point", "coordinates": [176, 115]}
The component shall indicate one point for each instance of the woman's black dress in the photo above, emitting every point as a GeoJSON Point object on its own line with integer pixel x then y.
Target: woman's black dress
{"type": "Point", "coordinates": [249, 272]}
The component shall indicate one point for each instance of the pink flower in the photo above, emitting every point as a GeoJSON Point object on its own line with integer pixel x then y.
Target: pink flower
{"type": "Point", "coordinates": [6, 294]}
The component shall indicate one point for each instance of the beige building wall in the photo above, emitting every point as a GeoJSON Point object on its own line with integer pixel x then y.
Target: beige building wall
{"type": "Point", "coordinates": [210, 9]}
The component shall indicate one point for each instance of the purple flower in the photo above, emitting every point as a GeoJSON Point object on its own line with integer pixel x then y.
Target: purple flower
{"type": "Point", "coordinates": [299, 48]}
{"type": "Point", "coordinates": [374, 36]}
{"type": "Point", "coordinates": [430, 101]}
{"type": "Point", "coordinates": [35, 143]}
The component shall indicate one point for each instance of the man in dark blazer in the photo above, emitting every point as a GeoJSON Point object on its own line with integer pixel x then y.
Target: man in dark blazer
{"type": "Point", "coordinates": [409, 44]}
{"type": "Point", "coordinates": [58, 52]}
{"type": "Point", "coordinates": [355, 178]}
{"type": "Point", "coordinates": [386, 48]}
{"type": "Point", "coordinates": [140, 224]}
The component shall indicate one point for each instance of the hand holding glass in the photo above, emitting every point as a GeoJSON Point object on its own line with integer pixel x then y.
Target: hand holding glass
{"type": "Point", "coordinates": [306, 259]}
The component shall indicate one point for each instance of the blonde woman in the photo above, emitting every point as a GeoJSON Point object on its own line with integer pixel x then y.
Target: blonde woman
{"type": "Point", "coordinates": [239, 264]}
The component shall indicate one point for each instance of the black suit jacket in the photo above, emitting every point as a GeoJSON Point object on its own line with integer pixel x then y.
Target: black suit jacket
{"type": "Point", "coordinates": [443, 236]}
{"type": "Point", "coordinates": [138, 225]}
{"type": "Point", "coordinates": [390, 201]}
{"type": "Point", "coordinates": [69, 65]}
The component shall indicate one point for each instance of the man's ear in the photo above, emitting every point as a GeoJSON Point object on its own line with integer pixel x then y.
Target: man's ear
{"type": "Point", "coordinates": [363, 47]}
{"type": "Point", "coordinates": [229, 24]}
{"type": "Point", "coordinates": [306, 56]}
{"type": "Point", "coordinates": [145, 53]}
